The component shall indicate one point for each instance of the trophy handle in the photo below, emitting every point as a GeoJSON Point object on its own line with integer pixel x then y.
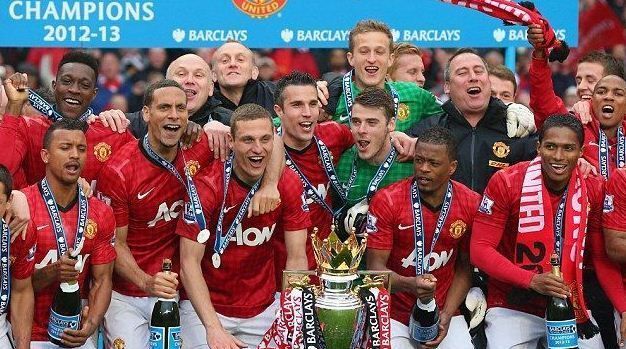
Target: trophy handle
{"type": "Point", "coordinates": [298, 278]}
{"type": "Point", "coordinates": [377, 276]}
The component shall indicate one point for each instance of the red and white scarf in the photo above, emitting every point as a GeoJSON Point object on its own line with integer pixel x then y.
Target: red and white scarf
{"type": "Point", "coordinates": [536, 226]}
{"type": "Point", "coordinates": [523, 13]}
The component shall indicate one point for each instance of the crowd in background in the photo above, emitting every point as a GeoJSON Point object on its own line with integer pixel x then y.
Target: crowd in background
{"type": "Point", "coordinates": [124, 73]}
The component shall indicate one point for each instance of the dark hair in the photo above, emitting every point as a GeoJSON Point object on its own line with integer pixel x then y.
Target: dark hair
{"type": "Point", "coordinates": [81, 57]}
{"type": "Point", "coordinates": [439, 136]}
{"type": "Point", "coordinates": [149, 94]}
{"type": "Point", "coordinates": [611, 65]}
{"type": "Point", "coordinates": [46, 94]}
{"type": "Point", "coordinates": [447, 73]}
{"type": "Point", "coordinates": [248, 112]}
{"type": "Point", "coordinates": [63, 124]}
{"type": "Point", "coordinates": [367, 26]}
{"type": "Point", "coordinates": [504, 73]}
{"type": "Point", "coordinates": [375, 97]}
{"type": "Point", "coordinates": [295, 78]}
{"type": "Point", "coordinates": [5, 178]}
{"type": "Point", "coordinates": [565, 121]}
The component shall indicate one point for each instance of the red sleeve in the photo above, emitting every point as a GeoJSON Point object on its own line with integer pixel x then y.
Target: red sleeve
{"type": "Point", "coordinates": [543, 101]}
{"type": "Point", "coordinates": [23, 254]}
{"type": "Point", "coordinates": [488, 228]}
{"type": "Point", "coordinates": [609, 273]}
{"type": "Point", "coordinates": [295, 213]}
{"type": "Point", "coordinates": [345, 136]}
{"type": "Point", "coordinates": [380, 222]}
{"type": "Point", "coordinates": [104, 250]}
{"type": "Point", "coordinates": [472, 203]}
{"type": "Point", "coordinates": [208, 196]}
{"type": "Point", "coordinates": [202, 152]}
{"type": "Point", "coordinates": [113, 192]}
{"type": "Point", "coordinates": [615, 202]}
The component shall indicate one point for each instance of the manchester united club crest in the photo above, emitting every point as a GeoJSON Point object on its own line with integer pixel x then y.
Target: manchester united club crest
{"type": "Point", "coordinates": [260, 8]}
{"type": "Point", "coordinates": [91, 229]}
{"type": "Point", "coordinates": [457, 228]}
{"type": "Point", "coordinates": [119, 343]}
{"type": "Point", "coordinates": [403, 112]}
{"type": "Point", "coordinates": [193, 167]}
{"type": "Point", "coordinates": [501, 150]}
{"type": "Point", "coordinates": [102, 151]}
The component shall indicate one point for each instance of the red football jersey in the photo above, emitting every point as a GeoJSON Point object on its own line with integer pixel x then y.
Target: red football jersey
{"type": "Point", "coordinates": [591, 148]}
{"type": "Point", "coordinates": [148, 199]}
{"type": "Point", "coordinates": [102, 143]}
{"type": "Point", "coordinates": [391, 220]}
{"type": "Point", "coordinates": [97, 248]}
{"type": "Point", "coordinates": [13, 142]}
{"type": "Point", "coordinates": [497, 220]}
{"type": "Point", "coordinates": [337, 138]}
{"type": "Point", "coordinates": [615, 205]}
{"type": "Point", "coordinates": [244, 284]}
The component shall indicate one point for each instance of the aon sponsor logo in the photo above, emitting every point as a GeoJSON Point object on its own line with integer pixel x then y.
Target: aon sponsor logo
{"type": "Point", "coordinates": [322, 190]}
{"type": "Point", "coordinates": [435, 260]}
{"type": "Point", "coordinates": [253, 236]}
{"type": "Point", "coordinates": [52, 257]}
{"type": "Point", "coordinates": [167, 213]}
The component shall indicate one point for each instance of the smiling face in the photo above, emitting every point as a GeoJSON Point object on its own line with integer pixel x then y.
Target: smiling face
{"type": "Point", "coordinates": [409, 67]}
{"type": "Point", "coordinates": [252, 144]}
{"type": "Point", "coordinates": [559, 150]}
{"type": "Point", "coordinates": [587, 76]}
{"type": "Point", "coordinates": [468, 86]}
{"type": "Point", "coordinates": [74, 89]}
{"type": "Point", "coordinates": [234, 65]}
{"type": "Point", "coordinates": [167, 119]}
{"type": "Point", "coordinates": [609, 101]}
{"type": "Point", "coordinates": [298, 114]}
{"type": "Point", "coordinates": [194, 75]}
{"type": "Point", "coordinates": [65, 156]}
{"type": "Point", "coordinates": [370, 58]}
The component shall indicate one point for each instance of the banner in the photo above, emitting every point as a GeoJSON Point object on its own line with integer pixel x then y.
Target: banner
{"type": "Point", "coordinates": [259, 23]}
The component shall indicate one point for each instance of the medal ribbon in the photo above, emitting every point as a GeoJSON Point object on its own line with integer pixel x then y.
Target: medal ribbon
{"type": "Point", "coordinates": [47, 109]}
{"type": "Point", "coordinates": [559, 218]}
{"type": "Point", "coordinates": [222, 241]}
{"type": "Point", "coordinates": [378, 176]}
{"type": "Point", "coordinates": [421, 266]}
{"type": "Point", "coordinates": [348, 95]}
{"type": "Point", "coordinates": [603, 152]}
{"type": "Point", "coordinates": [5, 263]}
{"type": "Point", "coordinates": [194, 199]}
{"type": "Point", "coordinates": [329, 168]}
{"type": "Point", "coordinates": [55, 217]}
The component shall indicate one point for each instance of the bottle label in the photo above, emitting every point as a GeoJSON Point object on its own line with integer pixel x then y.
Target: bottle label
{"type": "Point", "coordinates": [423, 334]}
{"type": "Point", "coordinates": [159, 339]}
{"type": "Point", "coordinates": [562, 334]}
{"type": "Point", "coordinates": [57, 323]}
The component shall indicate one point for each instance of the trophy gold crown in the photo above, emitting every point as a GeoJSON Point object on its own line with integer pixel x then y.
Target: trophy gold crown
{"type": "Point", "coordinates": [335, 257]}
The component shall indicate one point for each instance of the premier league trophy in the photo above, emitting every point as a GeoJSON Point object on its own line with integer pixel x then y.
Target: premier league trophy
{"type": "Point", "coordinates": [334, 313]}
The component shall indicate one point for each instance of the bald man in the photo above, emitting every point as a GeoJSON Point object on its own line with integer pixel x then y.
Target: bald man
{"type": "Point", "coordinates": [235, 74]}
{"type": "Point", "coordinates": [195, 76]}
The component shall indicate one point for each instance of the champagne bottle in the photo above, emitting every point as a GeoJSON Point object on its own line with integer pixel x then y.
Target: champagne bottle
{"type": "Point", "coordinates": [165, 320]}
{"type": "Point", "coordinates": [424, 322]}
{"type": "Point", "coordinates": [65, 311]}
{"type": "Point", "coordinates": [560, 320]}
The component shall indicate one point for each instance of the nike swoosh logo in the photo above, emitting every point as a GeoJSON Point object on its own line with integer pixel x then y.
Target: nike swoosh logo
{"type": "Point", "coordinates": [41, 227]}
{"type": "Point", "coordinates": [140, 196]}
{"type": "Point", "coordinates": [404, 227]}
{"type": "Point", "coordinates": [343, 118]}
{"type": "Point", "coordinates": [229, 208]}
